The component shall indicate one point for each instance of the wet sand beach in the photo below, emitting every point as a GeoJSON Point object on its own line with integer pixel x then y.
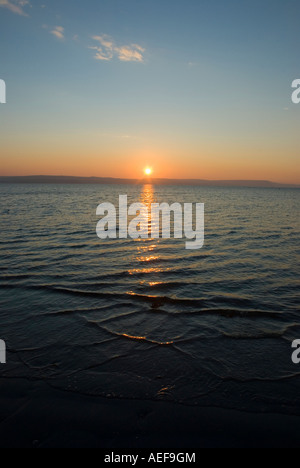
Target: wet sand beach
{"type": "Point", "coordinates": [36, 416]}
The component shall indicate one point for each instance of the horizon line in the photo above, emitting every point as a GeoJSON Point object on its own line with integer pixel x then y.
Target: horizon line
{"type": "Point", "coordinates": [154, 180]}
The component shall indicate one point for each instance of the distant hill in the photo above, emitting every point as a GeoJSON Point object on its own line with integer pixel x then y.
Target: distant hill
{"type": "Point", "coordinates": [44, 179]}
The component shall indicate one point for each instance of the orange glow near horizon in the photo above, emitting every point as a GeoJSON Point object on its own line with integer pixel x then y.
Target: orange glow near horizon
{"type": "Point", "coordinates": [208, 161]}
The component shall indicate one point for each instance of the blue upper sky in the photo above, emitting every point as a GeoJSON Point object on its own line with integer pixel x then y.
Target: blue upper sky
{"type": "Point", "coordinates": [202, 83]}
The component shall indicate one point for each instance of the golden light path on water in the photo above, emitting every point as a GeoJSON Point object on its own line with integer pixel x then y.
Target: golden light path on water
{"type": "Point", "coordinates": [146, 247]}
{"type": "Point", "coordinates": [145, 255]}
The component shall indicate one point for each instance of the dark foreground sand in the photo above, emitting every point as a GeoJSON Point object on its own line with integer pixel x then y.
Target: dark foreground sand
{"type": "Point", "coordinates": [33, 414]}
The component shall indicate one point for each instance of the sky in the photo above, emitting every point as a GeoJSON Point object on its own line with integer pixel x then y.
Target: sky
{"type": "Point", "coordinates": [191, 88]}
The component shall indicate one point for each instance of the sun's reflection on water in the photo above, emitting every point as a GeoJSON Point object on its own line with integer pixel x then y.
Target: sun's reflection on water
{"type": "Point", "coordinates": [148, 268]}
{"type": "Point", "coordinates": [147, 248]}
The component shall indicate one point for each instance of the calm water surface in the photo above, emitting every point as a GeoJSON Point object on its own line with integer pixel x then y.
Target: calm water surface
{"type": "Point", "coordinates": [148, 319]}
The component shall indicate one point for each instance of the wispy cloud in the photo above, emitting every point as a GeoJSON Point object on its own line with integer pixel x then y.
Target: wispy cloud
{"type": "Point", "coordinates": [107, 49]}
{"type": "Point", "coordinates": [133, 53]}
{"type": "Point", "coordinates": [16, 6]}
{"type": "Point", "coordinates": [58, 32]}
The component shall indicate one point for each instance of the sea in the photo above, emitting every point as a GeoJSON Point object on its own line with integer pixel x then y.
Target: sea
{"type": "Point", "coordinates": [147, 319]}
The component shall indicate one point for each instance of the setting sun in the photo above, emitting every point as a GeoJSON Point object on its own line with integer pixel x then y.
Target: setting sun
{"type": "Point", "coordinates": [148, 171]}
